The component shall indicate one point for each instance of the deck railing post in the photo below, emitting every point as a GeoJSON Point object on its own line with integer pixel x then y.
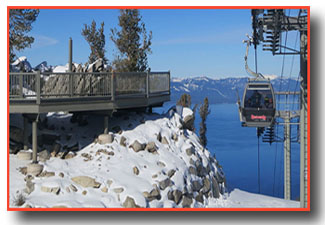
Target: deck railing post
{"type": "Point", "coordinates": [147, 85]}
{"type": "Point", "coordinates": [21, 85]}
{"type": "Point", "coordinates": [38, 87]}
{"type": "Point", "coordinates": [71, 84]}
{"type": "Point", "coordinates": [112, 86]}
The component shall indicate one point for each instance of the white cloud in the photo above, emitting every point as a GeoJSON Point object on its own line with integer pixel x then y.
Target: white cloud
{"type": "Point", "coordinates": [43, 41]}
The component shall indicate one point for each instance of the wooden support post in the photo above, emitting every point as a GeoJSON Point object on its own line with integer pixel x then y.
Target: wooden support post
{"type": "Point", "coordinates": [34, 135]}
{"type": "Point", "coordinates": [25, 132]}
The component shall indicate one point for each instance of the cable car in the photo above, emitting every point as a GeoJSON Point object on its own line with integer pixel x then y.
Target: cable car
{"type": "Point", "coordinates": [258, 106]}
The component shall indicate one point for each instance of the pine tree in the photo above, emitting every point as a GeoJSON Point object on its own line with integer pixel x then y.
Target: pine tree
{"type": "Point", "coordinates": [96, 41]}
{"type": "Point", "coordinates": [20, 23]}
{"type": "Point", "coordinates": [204, 112]}
{"type": "Point", "coordinates": [185, 100]}
{"type": "Point", "coordinates": [132, 41]}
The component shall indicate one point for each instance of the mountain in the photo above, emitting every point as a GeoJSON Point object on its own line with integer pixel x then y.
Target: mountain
{"type": "Point", "coordinates": [222, 90]}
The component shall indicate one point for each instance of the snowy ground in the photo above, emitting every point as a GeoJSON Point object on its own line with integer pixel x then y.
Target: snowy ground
{"type": "Point", "coordinates": [174, 172]}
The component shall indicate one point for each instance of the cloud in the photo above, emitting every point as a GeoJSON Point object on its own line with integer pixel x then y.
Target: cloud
{"type": "Point", "coordinates": [41, 41]}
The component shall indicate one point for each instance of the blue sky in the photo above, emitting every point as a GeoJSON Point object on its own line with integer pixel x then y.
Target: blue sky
{"type": "Point", "coordinates": [188, 42]}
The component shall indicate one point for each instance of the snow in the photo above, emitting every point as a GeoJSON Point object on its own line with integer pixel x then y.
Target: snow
{"type": "Point", "coordinates": [112, 165]}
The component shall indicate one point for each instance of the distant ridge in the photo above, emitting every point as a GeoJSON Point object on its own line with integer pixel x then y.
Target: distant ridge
{"type": "Point", "coordinates": [221, 90]}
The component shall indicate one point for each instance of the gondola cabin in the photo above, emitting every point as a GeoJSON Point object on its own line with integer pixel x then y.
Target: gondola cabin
{"type": "Point", "coordinates": [258, 106]}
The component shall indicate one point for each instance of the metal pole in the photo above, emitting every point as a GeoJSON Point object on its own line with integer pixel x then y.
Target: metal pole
{"type": "Point", "coordinates": [34, 134]}
{"type": "Point", "coordinates": [25, 132]}
{"type": "Point", "coordinates": [70, 54]}
{"type": "Point", "coordinates": [303, 120]}
{"type": "Point", "coordinates": [287, 156]}
{"type": "Point", "coordinates": [147, 84]}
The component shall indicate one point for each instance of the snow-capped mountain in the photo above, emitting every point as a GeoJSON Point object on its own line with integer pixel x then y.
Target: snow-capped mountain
{"type": "Point", "coordinates": [222, 90]}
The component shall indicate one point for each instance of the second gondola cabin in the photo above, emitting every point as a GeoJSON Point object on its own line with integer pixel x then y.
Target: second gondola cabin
{"type": "Point", "coordinates": [258, 106]}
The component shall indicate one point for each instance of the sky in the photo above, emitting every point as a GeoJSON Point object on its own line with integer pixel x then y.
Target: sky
{"type": "Point", "coordinates": [188, 42]}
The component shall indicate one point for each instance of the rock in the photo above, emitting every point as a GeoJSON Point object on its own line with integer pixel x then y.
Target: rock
{"type": "Point", "coordinates": [73, 188]}
{"type": "Point", "coordinates": [23, 170]}
{"type": "Point", "coordinates": [154, 176]}
{"type": "Point", "coordinates": [136, 146]}
{"type": "Point", "coordinates": [87, 156]}
{"type": "Point", "coordinates": [16, 134]}
{"type": "Point", "coordinates": [44, 155]}
{"type": "Point", "coordinates": [86, 181]}
{"type": "Point", "coordinates": [28, 178]}
{"type": "Point", "coordinates": [151, 147]}
{"type": "Point", "coordinates": [196, 185]}
{"type": "Point", "coordinates": [105, 138]}
{"type": "Point", "coordinates": [130, 203]}
{"type": "Point", "coordinates": [164, 141]}
{"type": "Point", "coordinates": [104, 189]}
{"type": "Point", "coordinates": [188, 122]}
{"type": "Point", "coordinates": [171, 173]}
{"type": "Point", "coordinates": [55, 149]}
{"type": "Point", "coordinates": [192, 170]}
{"type": "Point", "coordinates": [215, 188]}
{"type": "Point", "coordinates": [54, 190]}
{"type": "Point", "coordinates": [190, 151]}
{"type": "Point", "coordinates": [192, 161]}
{"type": "Point", "coordinates": [199, 197]}
{"type": "Point", "coordinates": [25, 155]}
{"type": "Point", "coordinates": [136, 170]}
{"type": "Point", "coordinates": [84, 192]}
{"type": "Point", "coordinates": [177, 194]}
{"type": "Point", "coordinates": [69, 155]}
{"type": "Point", "coordinates": [34, 169]}
{"type": "Point", "coordinates": [67, 189]}
{"type": "Point", "coordinates": [61, 174]}
{"type": "Point", "coordinates": [164, 183]}
{"type": "Point", "coordinates": [186, 201]}
{"type": "Point", "coordinates": [154, 194]}
{"type": "Point", "coordinates": [159, 137]}
{"type": "Point", "coordinates": [123, 141]}
{"type": "Point", "coordinates": [161, 164]}
{"type": "Point", "coordinates": [30, 186]}
{"type": "Point", "coordinates": [47, 174]}
{"type": "Point", "coordinates": [206, 185]}
{"type": "Point", "coordinates": [174, 137]}
{"type": "Point", "coordinates": [118, 190]}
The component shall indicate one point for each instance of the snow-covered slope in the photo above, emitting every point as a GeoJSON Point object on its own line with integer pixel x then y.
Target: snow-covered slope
{"type": "Point", "coordinates": [149, 161]}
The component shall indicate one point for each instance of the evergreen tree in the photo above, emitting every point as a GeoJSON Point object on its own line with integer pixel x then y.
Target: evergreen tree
{"type": "Point", "coordinates": [132, 41]}
{"type": "Point", "coordinates": [204, 112]}
{"type": "Point", "coordinates": [20, 23]}
{"type": "Point", "coordinates": [96, 41]}
{"type": "Point", "coordinates": [185, 100]}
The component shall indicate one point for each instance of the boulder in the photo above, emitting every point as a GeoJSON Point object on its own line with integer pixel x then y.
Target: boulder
{"type": "Point", "coordinates": [206, 185]}
{"type": "Point", "coordinates": [196, 185]}
{"type": "Point", "coordinates": [130, 203]}
{"type": "Point", "coordinates": [164, 183]}
{"type": "Point", "coordinates": [215, 188]}
{"type": "Point", "coordinates": [171, 173]}
{"type": "Point", "coordinates": [105, 138]}
{"type": "Point", "coordinates": [136, 146]}
{"type": "Point", "coordinates": [86, 181]}
{"type": "Point", "coordinates": [44, 155]}
{"type": "Point", "coordinates": [186, 201]}
{"type": "Point", "coordinates": [118, 190]}
{"type": "Point", "coordinates": [188, 122]}
{"type": "Point", "coordinates": [190, 151]}
{"type": "Point", "coordinates": [151, 147]}
{"type": "Point", "coordinates": [199, 198]}
{"type": "Point", "coordinates": [164, 141]}
{"type": "Point", "coordinates": [34, 169]}
{"type": "Point", "coordinates": [25, 155]}
{"type": "Point", "coordinates": [123, 141]}
{"type": "Point", "coordinates": [30, 186]}
{"type": "Point", "coordinates": [136, 170]}
{"type": "Point", "coordinates": [177, 194]}
{"type": "Point", "coordinates": [154, 194]}
{"type": "Point", "coordinates": [192, 170]}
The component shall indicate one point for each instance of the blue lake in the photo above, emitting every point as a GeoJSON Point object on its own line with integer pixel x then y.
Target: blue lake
{"type": "Point", "coordinates": [236, 149]}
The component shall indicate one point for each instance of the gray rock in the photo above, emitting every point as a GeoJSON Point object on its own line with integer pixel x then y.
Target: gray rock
{"type": "Point", "coordinates": [177, 194]}
{"type": "Point", "coordinates": [165, 183]}
{"type": "Point", "coordinates": [105, 138]}
{"type": "Point", "coordinates": [86, 181]}
{"type": "Point", "coordinates": [159, 137]}
{"type": "Point", "coordinates": [196, 185]}
{"type": "Point", "coordinates": [136, 146]}
{"type": "Point", "coordinates": [192, 170]}
{"type": "Point", "coordinates": [73, 188]}
{"type": "Point", "coordinates": [118, 190]}
{"type": "Point", "coordinates": [215, 188]}
{"type": "Point", "coordinates": [206, 185]}
{"type": "Point", "coordinates": [199, 197]}
{"type": "Point", "coordinates": [190, 151]}
{"type": "Point", "coordinates": [186, 201]}
{"type": "Point", "coordinates": [123, 141]}
{"type": "Point", "coordinates": [30, 187]}
{"type": "Point", "coordinates": [171, 173]}
{"type": "Point", "coordinates": [164, 141]}
{"type": "Point", "coordinates": [54, 190]}
{"type": "Point", "coordinates": [161, 164]}
{"type": "Point", "coordinates": [130, 203]}
{"type": "Point", "coordinates": [174, 137]}
{"type": "Point", "coordinates": [154, 194]}
{"type": "Point", "coordinates": [151, 147]}
{"type": "Point", "coordinates": [25, 155]}
{"type": "Point", "coordinates": [188, 122]}
{"type": "Point", "coordinates": [44, 155]}
{"type": "Point", "coordinates": [136, 170]}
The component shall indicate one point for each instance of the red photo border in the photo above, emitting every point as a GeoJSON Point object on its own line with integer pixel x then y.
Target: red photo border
{"type": "Point", "coordinates": [165, 209]}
